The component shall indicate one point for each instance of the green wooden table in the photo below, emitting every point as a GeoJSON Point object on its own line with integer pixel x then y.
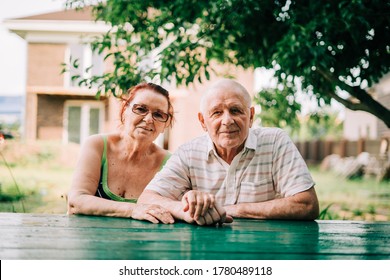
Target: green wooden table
{"type": "Point", "coordinates": [47, 236]}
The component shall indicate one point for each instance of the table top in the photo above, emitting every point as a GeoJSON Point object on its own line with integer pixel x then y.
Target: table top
{"type": "Point", "coordinates": [62, 237]}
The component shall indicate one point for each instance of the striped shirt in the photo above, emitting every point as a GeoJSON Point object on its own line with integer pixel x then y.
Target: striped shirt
{"type": "Point", "coordinates": [269, 166]}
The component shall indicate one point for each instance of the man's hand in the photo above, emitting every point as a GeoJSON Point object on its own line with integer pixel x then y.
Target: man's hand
{"type": "Point", "coordinates": [201, 208]}
{"type": "Point", "coordinates": [197, 203]}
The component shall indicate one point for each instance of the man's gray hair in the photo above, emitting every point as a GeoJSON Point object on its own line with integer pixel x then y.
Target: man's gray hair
{"type": "Point", "coordinates": [227, 84]}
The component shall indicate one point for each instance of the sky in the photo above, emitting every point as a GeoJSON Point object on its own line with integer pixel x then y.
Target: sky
{"type": "Point", "coordinates": [12, 47]}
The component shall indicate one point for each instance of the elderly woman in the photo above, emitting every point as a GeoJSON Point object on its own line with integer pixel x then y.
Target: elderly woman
{"type": "Point", "coordinates": [114, 168]}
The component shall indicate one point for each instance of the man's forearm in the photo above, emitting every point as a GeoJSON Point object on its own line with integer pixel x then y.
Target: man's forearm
{"type": "Point", "coordinates": [302, 206]}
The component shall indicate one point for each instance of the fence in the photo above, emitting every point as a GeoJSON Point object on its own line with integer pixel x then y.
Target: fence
{"type": "Point", "coordinates": [316, 151]}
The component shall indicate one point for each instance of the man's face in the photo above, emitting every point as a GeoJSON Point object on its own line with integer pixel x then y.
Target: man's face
{"type": "Point", "coordinates": [227, 119]}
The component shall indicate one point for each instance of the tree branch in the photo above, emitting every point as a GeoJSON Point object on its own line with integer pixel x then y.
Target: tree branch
{"type": "Point", "coordinates": [348, 103]}
{"type": "Point", "coordinates": [366, 102]}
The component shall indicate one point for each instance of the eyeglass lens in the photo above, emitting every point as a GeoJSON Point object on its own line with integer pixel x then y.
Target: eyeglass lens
{"type": "Point", "coordinates": [143, 110]}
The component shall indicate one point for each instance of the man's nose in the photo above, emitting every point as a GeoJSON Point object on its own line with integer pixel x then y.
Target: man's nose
{"type": "Point", "coordinates": [227, 118]}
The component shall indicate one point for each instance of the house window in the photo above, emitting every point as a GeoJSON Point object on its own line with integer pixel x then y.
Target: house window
{"type": "Point", "coordinates": [82, 119]}
{"type": "Point", "coordinates": [89, 63]}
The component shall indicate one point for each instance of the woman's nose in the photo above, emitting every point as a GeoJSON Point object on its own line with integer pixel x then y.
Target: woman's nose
{"type": "Point", "coordinates": [148, 117]}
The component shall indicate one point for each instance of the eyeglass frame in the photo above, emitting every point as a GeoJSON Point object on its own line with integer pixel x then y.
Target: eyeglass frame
{"type": "Point", "coordinates": [135, 106]}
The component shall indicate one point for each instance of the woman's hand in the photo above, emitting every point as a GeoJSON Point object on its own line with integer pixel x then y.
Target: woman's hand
{"type": "Point", "coordinates": [152, 213]}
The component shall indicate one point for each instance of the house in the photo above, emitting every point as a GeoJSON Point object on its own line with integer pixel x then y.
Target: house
{"type": "Point", "coordinates": [56, 108]}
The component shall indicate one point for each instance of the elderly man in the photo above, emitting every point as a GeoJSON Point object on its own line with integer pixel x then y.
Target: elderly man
{"type": "Point", "coordinates": [234, 170]}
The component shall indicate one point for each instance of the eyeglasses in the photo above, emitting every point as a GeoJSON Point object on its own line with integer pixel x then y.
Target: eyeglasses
{"type": "Point", "coordinates": [143, 110]}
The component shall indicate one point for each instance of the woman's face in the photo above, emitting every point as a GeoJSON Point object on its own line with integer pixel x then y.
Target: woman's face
{"type": "Point", "coordinates": [145, 114]}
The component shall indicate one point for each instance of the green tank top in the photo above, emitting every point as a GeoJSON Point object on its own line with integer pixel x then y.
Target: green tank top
{"type": "Point", "coordinates": [103, 190]}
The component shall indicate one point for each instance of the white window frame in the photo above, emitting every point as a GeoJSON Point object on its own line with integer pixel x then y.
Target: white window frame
{"type": "Point", "coordinates": [84, 122]}
{"type": "Point", "coordinates": [87, 60]}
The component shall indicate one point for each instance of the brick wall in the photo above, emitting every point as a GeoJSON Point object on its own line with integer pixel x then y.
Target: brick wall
{"type": "Point", "coordinates": [44, 64]}
{"type": "Point", "coordinates": [50, 115]}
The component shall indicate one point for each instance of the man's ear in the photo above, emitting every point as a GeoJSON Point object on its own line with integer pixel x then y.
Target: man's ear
{"type": "Point", "coordinates": [201, 120]}
{"type": "Point", "coordinates": [252, 116]}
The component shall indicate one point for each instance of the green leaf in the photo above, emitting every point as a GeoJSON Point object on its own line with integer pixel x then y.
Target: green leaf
{"type": "Point", "coordinates": [250, 34]}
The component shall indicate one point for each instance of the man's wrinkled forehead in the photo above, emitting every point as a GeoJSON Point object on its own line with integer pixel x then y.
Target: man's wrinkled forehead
{"type": "Point", "coordinates": [222, 100]}
{"type": "Point", "coordinates": [228, 93]}
{"type": "Point", "coordinates": [217, 90]}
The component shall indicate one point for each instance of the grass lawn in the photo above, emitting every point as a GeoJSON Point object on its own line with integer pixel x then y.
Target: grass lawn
{"type": "Point", "coordinates": [43, 172]}
{"type": "Point", "coordinates": [358, 199]}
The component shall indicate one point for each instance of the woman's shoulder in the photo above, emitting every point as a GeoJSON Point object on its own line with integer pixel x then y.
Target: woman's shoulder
{"type": "Point", "coordinates": [161, 152]}
{"type": "Point", "coordinates": [166, 152]}
{"type": "Point", "coordinates": [100, 138]}
{"type": "Point", "coordinates": [162, 156]}
{"type": "Point", "coordinates": [97, 141]}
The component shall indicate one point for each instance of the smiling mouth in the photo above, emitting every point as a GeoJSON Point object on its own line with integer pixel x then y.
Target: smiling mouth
{"type": "Point", "coordinates": [145, 128]}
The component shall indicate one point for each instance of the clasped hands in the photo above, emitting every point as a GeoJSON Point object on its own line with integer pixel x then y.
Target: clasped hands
{"type": "Point", "coordinates": [201, 208]}
{"type": "Point", "coordinates": [195, 207]}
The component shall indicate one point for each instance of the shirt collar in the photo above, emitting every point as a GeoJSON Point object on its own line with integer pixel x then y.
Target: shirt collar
{"type": "Point", "coordinates": [251, 140]}
{"type": "Point", "coordinates": [210, 147]}
{"type": "Point", "coordinates": [250, 143]}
